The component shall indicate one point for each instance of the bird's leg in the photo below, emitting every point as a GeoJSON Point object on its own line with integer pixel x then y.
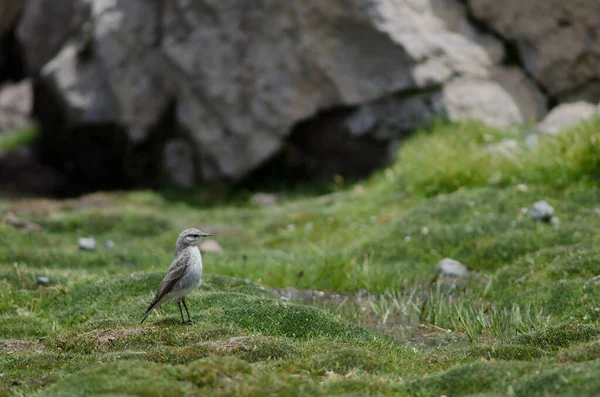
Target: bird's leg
{"type": "Point", "coordinates": [186, 310]}
{"type": "Point", "coordinates": [181, 312]}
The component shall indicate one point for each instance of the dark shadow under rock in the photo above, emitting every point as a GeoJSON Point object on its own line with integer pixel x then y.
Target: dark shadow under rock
{"type": "Point", "coordinates": [21, 172]}
{"type": "Point", "coordinates": [350, 141]}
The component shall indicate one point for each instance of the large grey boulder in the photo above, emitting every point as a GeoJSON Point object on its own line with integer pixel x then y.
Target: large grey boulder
{"type": "Point", "coordinates": [506, 98]}
{"type": "Point", "coordinates": [566, 115]}
{"type": "Point", "coordinates": [558, 41]}
{"type": "Point", "coordinates": [237, 78]}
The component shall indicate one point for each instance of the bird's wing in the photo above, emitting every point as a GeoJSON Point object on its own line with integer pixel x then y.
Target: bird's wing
{"type": "Point", "coordinates": [176, 270]}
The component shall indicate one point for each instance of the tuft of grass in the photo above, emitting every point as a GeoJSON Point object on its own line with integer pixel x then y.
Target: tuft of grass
{"type": "Point", "coordinates": [11, 140]}
{"type": "Point", "coordinates": [556, 337]}
{"type": "Point", "coordinates": [449, 157]}
{"type": "Point", "coordinates": [343, 360]}
{"type": "Point", "coordinates": [470, 379]}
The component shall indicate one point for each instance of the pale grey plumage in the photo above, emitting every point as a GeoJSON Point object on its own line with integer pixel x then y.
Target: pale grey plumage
{"type": "Point", "coordinates": [184, 274]}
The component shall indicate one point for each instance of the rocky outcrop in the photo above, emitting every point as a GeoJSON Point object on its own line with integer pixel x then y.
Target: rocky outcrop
{"type": "Point", "coordinates": [208, 90]}
{"type": "Point", "coordinates": [242, 75]}
{"type": "Point", "coordinates": [558, 41]}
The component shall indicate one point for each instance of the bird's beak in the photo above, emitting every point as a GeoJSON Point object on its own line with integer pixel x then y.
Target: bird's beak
{"type": "Point", "coordinates": [206, 235]}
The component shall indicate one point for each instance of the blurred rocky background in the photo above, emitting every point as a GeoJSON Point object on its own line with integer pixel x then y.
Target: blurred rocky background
{"type": "Point", "coordinates": [133, 93]}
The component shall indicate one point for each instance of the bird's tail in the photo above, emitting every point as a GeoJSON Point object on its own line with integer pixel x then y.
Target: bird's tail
{"type": "Point", "coordinates": [152, 306]}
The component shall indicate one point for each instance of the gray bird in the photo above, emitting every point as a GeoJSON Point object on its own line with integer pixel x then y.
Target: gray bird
{"type": "Point", "coordinates": [184, 275]}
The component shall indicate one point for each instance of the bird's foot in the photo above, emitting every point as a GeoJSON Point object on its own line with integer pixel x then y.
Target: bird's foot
{"type": "Point", "coordinates": [187, 322]}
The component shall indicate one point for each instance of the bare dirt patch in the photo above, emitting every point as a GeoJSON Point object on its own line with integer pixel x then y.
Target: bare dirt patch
{"type": "Point", "coordinates": [35, 206]}
{"type": "Point", "coordinates": [46, 206]}
{"type": "Point", "coordinates": [16, 222]}
{"type": "Point", "coordinates": [93, 200]}
{"type": "Point", "coordinates": [10, 346]}
{"type": "Point", "coordinates": [107, 337]}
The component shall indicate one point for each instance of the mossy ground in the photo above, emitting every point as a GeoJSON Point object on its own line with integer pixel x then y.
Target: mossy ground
{"type": "Point", "coordinates": [524, 322]}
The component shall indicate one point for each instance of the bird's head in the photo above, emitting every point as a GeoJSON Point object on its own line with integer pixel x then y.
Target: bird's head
{"type": "Point", "coordinates": [190, 237]}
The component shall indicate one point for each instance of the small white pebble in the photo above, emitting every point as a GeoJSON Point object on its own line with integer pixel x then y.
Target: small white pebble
{"type": "Point", "coordinates": [522, 188]}
{"type": "Point", "coordinates": [524, 210]}
{"type": "Point", "coordinates": [285, 298]}
{"type": "Point", "coordinates": [87, 243]}
{"type": "Point", "coordinates": [407, 238]}
{"type": "Point", "coordinates": [110, 244]}
{"type": "Point", "coordinates": [513, 223]}
{"type": "Point", "coordinates": [425, 230]}
{"type": "Point", "coordinates": [291, 228]}
{"type": "Point", "coordinates": [541, 211]}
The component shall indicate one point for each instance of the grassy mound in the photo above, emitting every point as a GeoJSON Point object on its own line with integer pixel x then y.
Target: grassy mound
{"type": "Point", "coordinates": [368, 314]}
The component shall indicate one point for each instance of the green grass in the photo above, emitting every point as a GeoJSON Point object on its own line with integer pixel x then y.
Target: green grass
{"type": "Point", "coordinates": [524, 322]}
{"type": "Point", "coordinates": [11, 140]}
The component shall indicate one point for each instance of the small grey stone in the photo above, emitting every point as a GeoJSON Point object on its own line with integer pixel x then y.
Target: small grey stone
{"type": "Point", "coordinates": [87, 243]}
{"type": "Point", "coordinates": [451, 267]}
{"type": "Point", "coordinates": [266, 199]}
{"type": "Point", "coordinates": [211, 246]}
{"type": "Point", "coordinates": [43, 281]}
{"type": "Point", "coordinates": [506, 147]}
{"type": "Point", "coordinates": [531, 140]}
{"type": "Point", "coordinates": [542, 211]}
{"type": "Point", "coordinates": [110, 244]}
{"type": "Point", "coordinates": [521, 279]}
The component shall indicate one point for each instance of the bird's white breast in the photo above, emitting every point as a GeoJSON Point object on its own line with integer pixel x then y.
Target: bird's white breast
{"type": "Point", "coordinates": [195, 270]}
